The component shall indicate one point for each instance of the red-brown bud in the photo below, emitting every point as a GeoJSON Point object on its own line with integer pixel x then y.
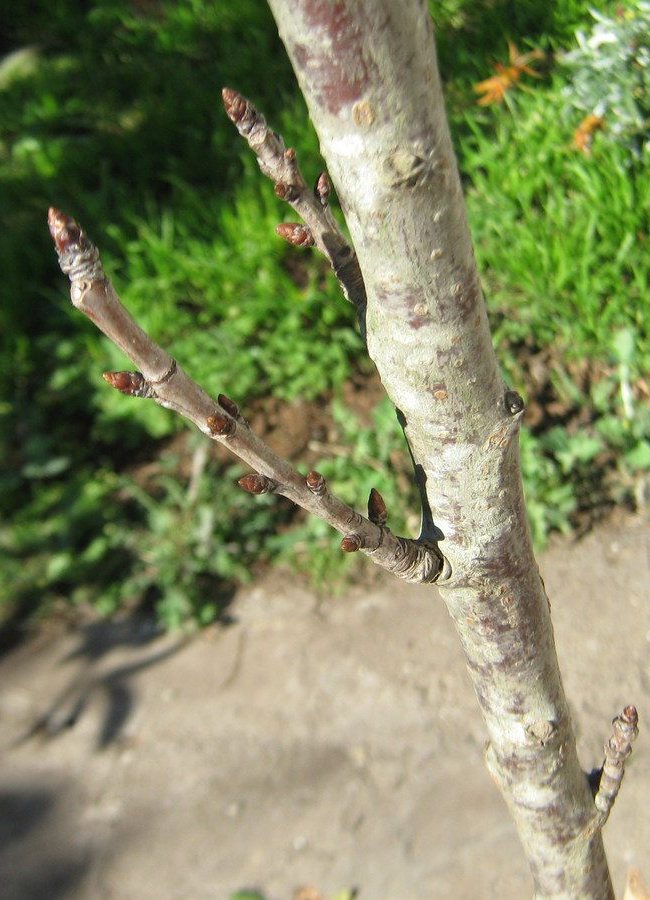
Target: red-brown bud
{"type": "Point", "coordinates": [630, 716]}
{"type": "Point", "coordinates": [288, 192]}
{"type": "Point", "coordinates": [351, 543]}
{"type": "Point", "coordinates": [63, 229]}
{"type": "Point", "coordinates": [290, 155]}
{"type": "Point", "coordinates": [323, 188]}
{"type": "Point", "coordinates": [315, 482]}
{"type": "Point", "coordinates": [295, 233]}
{"type": "Point", "coordinates": [377, 512]}
{"type": "Point", "coordinates": [229, 405]}
{"type": "Point", "coordinates": [220, 425]}
{"type": "Point", "coordinates": [257, 484]}
{"type": "Point", "coordinates": [235, 104]}
{"type": "Point", "coordinates": [131, 383]}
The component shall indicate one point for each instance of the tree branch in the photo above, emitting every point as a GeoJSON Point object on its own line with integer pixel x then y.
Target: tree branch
{"type": "Point", "coordinates": [280, 165]}
{"type": "Point", "coordinates": [161, 379]}
{"type": "Point", "coordinates": [617, 750]}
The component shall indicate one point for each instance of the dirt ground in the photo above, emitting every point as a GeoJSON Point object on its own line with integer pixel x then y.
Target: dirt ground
{"type": "Point", "coordinates": [329, 743]}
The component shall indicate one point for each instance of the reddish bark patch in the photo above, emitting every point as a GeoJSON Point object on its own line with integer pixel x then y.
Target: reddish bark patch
{"type": "Point", "coordinates": [463, 299]}
{"type": "Point", "coordinates": [406, 303]}
{"type": "Point", "coordinates": [340, 75]}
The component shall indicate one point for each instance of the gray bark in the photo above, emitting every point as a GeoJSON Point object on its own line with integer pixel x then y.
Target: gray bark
{"type": "Point", "coordinates": [367, 69]}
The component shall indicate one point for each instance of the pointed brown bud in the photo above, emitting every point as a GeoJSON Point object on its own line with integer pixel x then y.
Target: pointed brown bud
{"type": "Point", "coordinates": [290, 155]}
{"type": "Point", "coordinates": [351, 543]}
{"type": "Point", "coordinates": [220, 425]}
{"type": "Point", "coordinates": [131, 383]}
{"type": "Point", "coordinates": [295, 233]}
{"type": "Point", "coordinates": [242, 112]}
{"type": "Point", "coordinates": [316, 483]}
{"type": "Point", "coordinates": [323, 188]}
{"type": "Point", "coordinates": [234, 104]}
{"type": "Point", "coordinates": [377, 512]}
{"type": "Point", "coordinates": [630, 716]}
{"type": "Point", "coordinates": [288, 192]}
{"type": "Point", "coordinates": [63, 229]}
{"type": "Point", "coordinates": [257, 484]}
{"type": "Point", "coordinates": [229, 405]}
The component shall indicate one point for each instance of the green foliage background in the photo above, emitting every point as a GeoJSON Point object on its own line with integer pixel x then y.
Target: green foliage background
{"type": "Point", "coordinates": [111, 111]}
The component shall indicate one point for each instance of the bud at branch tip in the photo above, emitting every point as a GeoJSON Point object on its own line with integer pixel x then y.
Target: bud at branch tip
{"type": "Point", "coordinates": [63, 229]}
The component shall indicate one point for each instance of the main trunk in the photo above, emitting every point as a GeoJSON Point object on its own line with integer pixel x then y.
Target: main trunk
{"type": "Point", "coordinates": [368, 71]}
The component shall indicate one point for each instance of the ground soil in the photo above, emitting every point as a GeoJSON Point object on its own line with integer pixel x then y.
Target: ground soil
{"type": "Point", "coordinates": [333, 743]}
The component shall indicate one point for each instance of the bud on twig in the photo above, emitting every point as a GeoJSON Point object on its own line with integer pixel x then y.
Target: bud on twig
{"type": "Point", "coordinates": [351, 543]}
{"type": "Point", "coordinates": [514, 402]}
{"type": "Point", "coordinates": [295, 233]}
{"type": "Point", "coordinates": [131, 383]}
{"type": "Point", "coordinates": [323, 188]}
{"type": "Point", "coordinates": [377, 512]}
{"type": "Point", "coordinates": [220, 425]}
{"type": "Point", "coordinates": [237, 106]}
{"type": "Point", "coordinates": [316, 483]}
{"type": "Point", "coordinates": [229, 405]}
{"type": "Point", "coordinates": [257, 484]}
{"type": "Point", "coordinates": [63, 229]}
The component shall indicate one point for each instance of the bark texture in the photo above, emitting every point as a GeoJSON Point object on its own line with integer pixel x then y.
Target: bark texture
{"type": "Point", "coordinates": [368, 71]}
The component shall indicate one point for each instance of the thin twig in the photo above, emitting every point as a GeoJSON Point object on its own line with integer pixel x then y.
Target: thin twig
{"type": "Point", "coordinates": [617, 750]}
{"type": "Point", "coordinates": [160, 378]}
{"type": "Point", "coordinates": [279, 164]}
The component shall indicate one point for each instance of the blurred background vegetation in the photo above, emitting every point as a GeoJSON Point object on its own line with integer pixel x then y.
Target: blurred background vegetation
{"type": "Point", "coordinates": [111, 111]}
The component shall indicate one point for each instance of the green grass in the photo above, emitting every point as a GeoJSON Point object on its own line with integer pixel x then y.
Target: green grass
{"type": "Point", "coordinates": [114, 116]}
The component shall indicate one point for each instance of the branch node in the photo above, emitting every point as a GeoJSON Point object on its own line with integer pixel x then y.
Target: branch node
{"type": "Point", "coordinates": [351, 543]}
{"type": "Point", "coordinates": [220, 425]}
{"type": "Point", "coordinates": [295, 233]}
{"type": "Point", "coordinates": [257, 484]}
{"type": "Point", "coordinates": [377, 512]}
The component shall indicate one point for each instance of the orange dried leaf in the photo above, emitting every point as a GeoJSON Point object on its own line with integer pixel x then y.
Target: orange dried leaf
{"type": "Point", "coordinates": [584, 133]}
{"type": "Point", "coordinates": [493, 89]}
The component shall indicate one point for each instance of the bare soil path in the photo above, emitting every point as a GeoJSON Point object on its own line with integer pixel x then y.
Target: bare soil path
{"type": "Point", "coordinates": [330, 743]}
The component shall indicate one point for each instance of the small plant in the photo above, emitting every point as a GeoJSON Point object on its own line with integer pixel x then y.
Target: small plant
{"type": "Point", "coordinates": [609, 77]}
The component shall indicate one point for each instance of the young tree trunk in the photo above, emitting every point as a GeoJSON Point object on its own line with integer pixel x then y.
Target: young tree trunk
{"type": "Point", "coordinates": [368, 71]}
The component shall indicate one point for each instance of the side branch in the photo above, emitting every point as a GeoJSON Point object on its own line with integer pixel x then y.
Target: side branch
{"type": "Point", "coordinates": [161, 379]}
{"type": "Point", "coordinates": [617, 750]}
{"type": "Point", "coordinates": [279, 164]}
